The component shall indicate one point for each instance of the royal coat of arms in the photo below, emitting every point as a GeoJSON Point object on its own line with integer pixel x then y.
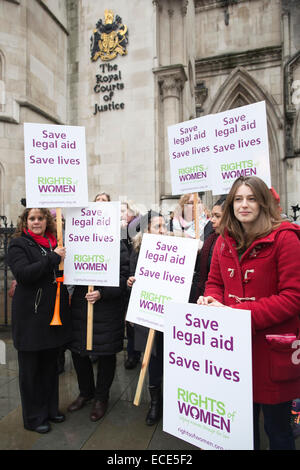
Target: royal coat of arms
{"type": "Point", "coordinates": [109, 38]}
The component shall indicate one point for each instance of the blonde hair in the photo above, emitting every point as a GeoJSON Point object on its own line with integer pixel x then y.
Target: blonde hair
{"type": "Point", "coordinates": [131, 208]}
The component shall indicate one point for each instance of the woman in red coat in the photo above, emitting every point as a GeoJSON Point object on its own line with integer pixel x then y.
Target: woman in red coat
{"type": "Point", "coordinates": [256, 266]}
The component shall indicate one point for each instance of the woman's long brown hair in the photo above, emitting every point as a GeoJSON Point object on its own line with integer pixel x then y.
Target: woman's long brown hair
{"type": "Point", "coordinates": [267, 220]}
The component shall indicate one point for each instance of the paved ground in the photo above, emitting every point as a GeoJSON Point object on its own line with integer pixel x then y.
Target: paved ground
{"type": "Point", "coordinates": [123, 427]}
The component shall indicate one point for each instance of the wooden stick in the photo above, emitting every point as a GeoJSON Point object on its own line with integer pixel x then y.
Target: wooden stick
{"type": "Point", "coordinates": [90, 319]}
{"type": "Point", "coordinates": [196, 216]}
{"type": "Point", "coordinates": [60, 241]}
{"type": "Point", "coordinates": [144, 367]}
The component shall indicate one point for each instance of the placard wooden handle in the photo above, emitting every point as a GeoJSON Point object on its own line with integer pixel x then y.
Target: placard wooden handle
{"type": "Point", "coordinates": [90, 319]}
{"type": "Point", "coordinates": [59, 231]}
{"type": "Point", "coordinates": [196, 216]}
{"type": "Point", "coordinates": [144, 367]}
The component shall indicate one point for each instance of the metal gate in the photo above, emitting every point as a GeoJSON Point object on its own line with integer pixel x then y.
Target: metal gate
{"type": "Point", "coordinates": [5, 234]}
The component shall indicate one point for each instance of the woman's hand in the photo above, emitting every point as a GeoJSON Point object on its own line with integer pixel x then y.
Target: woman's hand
{"type": "Point", "coordinates": [130, 281]}
{"type": "Point", "coordinates": [93, 296]}
{"type": "Point", "coordinates": [61, 251]}
{"type": "Point", "coordinates": [209, 301]}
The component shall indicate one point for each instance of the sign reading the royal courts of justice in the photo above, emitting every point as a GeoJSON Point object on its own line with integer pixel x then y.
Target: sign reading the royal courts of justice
{"type": "Point", "coordinates": [109, 40]}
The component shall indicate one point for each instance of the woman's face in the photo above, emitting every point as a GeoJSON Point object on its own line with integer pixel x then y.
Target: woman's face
{"type": "Point", "coordinates": [188, 210]}
{"type": "Point", "coordinates": [126, 214]}
{"type": "Point", "coordinates": [36, 222]}
{"type": "Point", "coordinates": [245, 206]}
{"type": "Point", "coordinates": [216, 215]}
{"type": "Point", "coordinates": [101, 198]}
{"type": "Point", "coordinates": [158, 226]}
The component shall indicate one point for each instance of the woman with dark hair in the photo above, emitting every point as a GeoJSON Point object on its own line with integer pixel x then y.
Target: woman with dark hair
{"type": "Point", "coordinates": [130, 219]}
{"type": "Point", "coordinates": [256, 266]}
{"type": "Point", "coordinates": [34, 257]}
{"type": "Point", "coordinates": [154, 223]}
{"type": "Point", "coordinates": [205, 255]}
{"type": "Point", "coordinates": [108, 335]}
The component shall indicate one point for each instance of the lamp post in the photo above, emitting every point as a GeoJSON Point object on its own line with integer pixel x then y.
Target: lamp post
{"type": "Point", "coordinates": [295, 209]}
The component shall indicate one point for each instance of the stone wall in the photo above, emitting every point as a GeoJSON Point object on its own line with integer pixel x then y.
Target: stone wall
{"type": "Point", "coordinates": [184, 59]}
{"type": "Point", "coordinates": [33, 78]}
{"type": "Point", "coordinates": [120, 142]}
{"type": "Point", "coordinates": [240, 51]}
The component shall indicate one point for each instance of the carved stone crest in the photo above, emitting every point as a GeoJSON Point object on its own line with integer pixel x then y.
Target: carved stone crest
{"type": "Point", "coordinates": [109, 38]}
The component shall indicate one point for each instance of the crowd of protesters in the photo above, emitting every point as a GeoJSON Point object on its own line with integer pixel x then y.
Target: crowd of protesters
{"type": "Point", "coordinates": [248, 258]}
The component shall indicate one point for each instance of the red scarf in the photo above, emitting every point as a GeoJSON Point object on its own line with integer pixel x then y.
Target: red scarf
{"type": "Point", "coordinates": [48, 240]}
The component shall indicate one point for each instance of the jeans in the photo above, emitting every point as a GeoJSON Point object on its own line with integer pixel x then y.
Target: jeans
{"type": "Point", "coordinates": [277, 424]}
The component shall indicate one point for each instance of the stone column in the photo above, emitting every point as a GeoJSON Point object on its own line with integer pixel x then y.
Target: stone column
{"type": "Point", "coordinates": [156, 39]}
{"type": "Point", "coordinates": [171, 80]}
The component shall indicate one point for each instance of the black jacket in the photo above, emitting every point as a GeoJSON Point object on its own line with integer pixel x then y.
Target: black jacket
{"type": "Point", "coordinates": [109, 316]}
{"type": "Point", "coordinates": [34, 269]}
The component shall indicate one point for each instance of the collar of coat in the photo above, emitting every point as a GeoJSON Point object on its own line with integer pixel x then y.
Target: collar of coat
{"type": "Point", "coordinates": [270, 238]}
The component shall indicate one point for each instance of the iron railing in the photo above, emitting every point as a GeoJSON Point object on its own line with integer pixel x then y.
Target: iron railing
{"type": "Point", "coordinates": [6, 231]}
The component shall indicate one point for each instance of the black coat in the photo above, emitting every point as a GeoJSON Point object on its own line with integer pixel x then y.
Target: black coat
{"type": "Point", "coordinates": [108, 317]}
{"type": "Point", "coordinates": [34, 269]}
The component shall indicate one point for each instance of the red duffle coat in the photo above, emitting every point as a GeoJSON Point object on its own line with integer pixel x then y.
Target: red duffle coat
{"type": "Point", "coordinates": [266, 280]}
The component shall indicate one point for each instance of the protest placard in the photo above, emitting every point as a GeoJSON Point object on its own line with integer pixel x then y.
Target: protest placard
{"type": "Point", "coordinates": [190, 155]}
{"type": "Point", "coordinates": [210, 152]}
{"type": "Point", "coordinates": [55, 165]}
{"type": "Point", "coordinates": [240, 146]}
{"type": "Point", "coordinates": [164, 272]}
{"type": "Point", "coordinates": [92, 240]}
{"type": "Point", "coordinates": [208, 376]}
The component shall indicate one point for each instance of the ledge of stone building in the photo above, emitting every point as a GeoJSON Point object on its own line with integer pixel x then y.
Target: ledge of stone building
{"type": "Point", "coordinates": [171, 69]}
{"type": "Point", "coordinates": [39, 110]}
{"type": "Point", "coordinates": [232, 60]}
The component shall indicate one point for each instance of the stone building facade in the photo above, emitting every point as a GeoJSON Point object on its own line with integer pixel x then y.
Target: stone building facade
{"type": "Point", "coordinates": [176, 59]}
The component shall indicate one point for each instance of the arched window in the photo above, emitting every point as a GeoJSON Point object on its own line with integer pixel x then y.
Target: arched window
{"type": "Point", "coordinates": [241, 89]}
